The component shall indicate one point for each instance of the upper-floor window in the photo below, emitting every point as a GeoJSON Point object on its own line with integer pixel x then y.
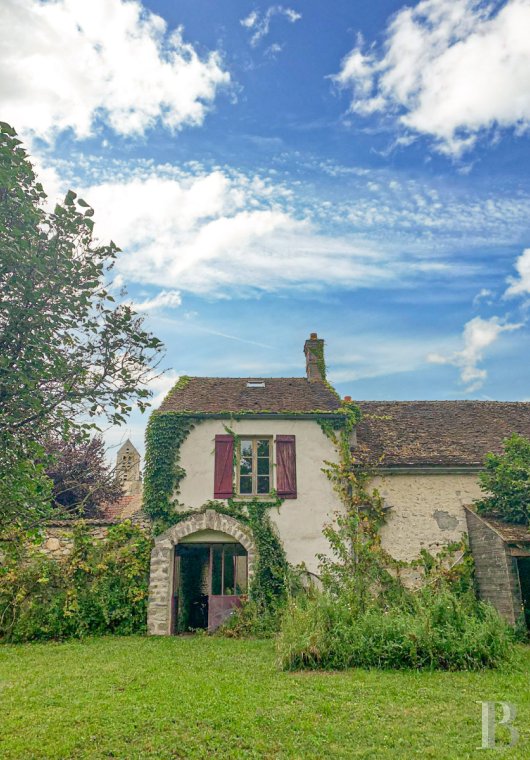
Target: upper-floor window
{"type": "Point", "coordinates": [254, 466]}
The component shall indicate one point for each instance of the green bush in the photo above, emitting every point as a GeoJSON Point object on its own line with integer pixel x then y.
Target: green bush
{"type": "Point", "coordinates": [251, 620]}
{"type": "Point", "coordinates": [506, 482]}
{"type": "Point", "coordinates": [100, 587]}
{"type": "Point", "coordinates": [441, 630]}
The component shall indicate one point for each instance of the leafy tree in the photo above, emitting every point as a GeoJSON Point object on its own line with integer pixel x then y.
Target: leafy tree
{"type": "Point", "coordinates": [506, 481]}
{"type": "Point", "coordinates": [81, 477]}
{"type": "Point", "coordinates": [68, 352]}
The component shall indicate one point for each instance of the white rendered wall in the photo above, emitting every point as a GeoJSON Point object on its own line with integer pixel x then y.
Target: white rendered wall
{"type": "Point", "coordinates": [299, 521]}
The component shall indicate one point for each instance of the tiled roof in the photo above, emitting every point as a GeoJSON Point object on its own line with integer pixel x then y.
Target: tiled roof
{"type": "Point", "coordinates": [123, 508]}
{"type": "Point", "coordinates": [512, 534]}
{"type": "Point", "coordinates": [214, 395]}
{"type": "Point", "coordinates": [437, 433]}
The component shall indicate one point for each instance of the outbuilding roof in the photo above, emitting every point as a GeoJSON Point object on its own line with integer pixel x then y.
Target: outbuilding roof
{"type": "Point", "coordinates": [509, 532]}
{"type": "Point", "coordinates": [437, 433]}
{"type": "Point", "coordinates": [216, 395]}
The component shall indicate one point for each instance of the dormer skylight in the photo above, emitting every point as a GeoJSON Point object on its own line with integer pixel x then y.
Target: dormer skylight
{"type": "Point", "coordinates": [256, 384]}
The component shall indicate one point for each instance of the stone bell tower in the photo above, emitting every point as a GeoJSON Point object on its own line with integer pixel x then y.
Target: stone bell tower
{"type": "Point", "coordinates": [128, 469]}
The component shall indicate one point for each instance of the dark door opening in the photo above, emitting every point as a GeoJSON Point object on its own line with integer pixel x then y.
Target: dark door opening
{"type": "Point", "coordinates": [208, 583]}
{"type": "Point", "coordinates": [523, 565]}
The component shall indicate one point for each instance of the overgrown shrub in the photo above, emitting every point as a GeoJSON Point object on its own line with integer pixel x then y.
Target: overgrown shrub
{"type": "Point", "coordinates": [428, 630]}
{"type": "Point", "coordinates": [252, 620]}
{"type": "Point", "coordinates": [100, 587]}
{"type": "Point", "coordinates": [261, 618]}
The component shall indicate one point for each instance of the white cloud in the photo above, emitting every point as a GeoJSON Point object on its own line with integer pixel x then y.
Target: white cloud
{"type": "Point", "coordinates": [214, 230]}
{"type": "Point", "coordinates": [170, 299]}
{"type": "Point", "coordinates": [449, 69]}
{"type": "Point", "coordinates": [484, 294]}
{"type": "Point", "coordinates": [220, 231]}
{"type": "Point", "coordinates": [479, 334]}
{"type": "Point", "coordinates": [67, 63]}
{"type": "Point", "coordinates": [160, 385]}
{"type": "Point", "coordinates": [259, 24]}
{"type": "Point", "coordinates": [520, 285]}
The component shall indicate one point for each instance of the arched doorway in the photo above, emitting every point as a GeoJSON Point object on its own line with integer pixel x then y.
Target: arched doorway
{"type": "Point", "coordinates": [208, 555]}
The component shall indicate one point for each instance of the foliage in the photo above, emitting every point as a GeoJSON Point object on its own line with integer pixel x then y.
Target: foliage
{"type": "Point", "coordinates": [81, 476]}
{"type": "Point", "coordinates": [67, 351]}
{"type": "Point", "coordinates": [443, 631]}
{"type": "Point", "coordinates": [25, 489]}
{"type": "Point", "coordinates": [358, 563]}
{"type": "Point", "coordinates": [100, 587]}
{"type": "Point", "coordinates": [506, 481]}
{"type": "Point", "coordinates": [166, 432]}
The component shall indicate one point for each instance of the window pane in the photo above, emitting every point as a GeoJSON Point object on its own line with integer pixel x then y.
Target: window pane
{"type": "Point", "coordinates": [263, 484]}
{"type": "Point", "coordinates": [263, 466]}
{"type": "Point", "coordinates": [217, 552]}
{"type": "Point", "coordinates": [245, 484]}
{"type": "Point", "coordinates": [229, 579]}
{"type": "Point", "coordinates": [246, 448]}
{"type": "Point", "coordinates": [245, 466]}
{"type": "Point", "coordinates": [241, 574]}
{"type": "Point", "coordinates": [263, 448]}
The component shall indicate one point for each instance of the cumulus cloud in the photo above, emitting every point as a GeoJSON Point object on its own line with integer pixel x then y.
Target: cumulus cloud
{"type": "Point", "coordinates": [259, 24]}
{"type": "Point", "coordinates": [66, 64]}
{"type": "Point", "coordinates": [479, 334]}
{"type": "Point", "coordinates": [448, 69]}
{"type": "Point", "coordinates": [520, 285]}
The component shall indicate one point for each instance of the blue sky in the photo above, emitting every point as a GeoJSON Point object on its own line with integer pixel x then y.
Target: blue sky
{"type": "Point", "coordinates": [271, 170]}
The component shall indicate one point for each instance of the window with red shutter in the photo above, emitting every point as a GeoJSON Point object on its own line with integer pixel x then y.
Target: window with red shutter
{"type": "Point", "coordinates": [286, 466]}
{"type": "Point", "coordinates": [224, 467]}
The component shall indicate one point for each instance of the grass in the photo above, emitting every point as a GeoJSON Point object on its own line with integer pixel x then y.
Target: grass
{"type": "Point", "coordinates": [200, 697]}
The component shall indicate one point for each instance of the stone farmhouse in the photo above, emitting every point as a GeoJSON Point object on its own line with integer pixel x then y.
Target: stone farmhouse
{"type": "Point", "coordinates": [255, 436]}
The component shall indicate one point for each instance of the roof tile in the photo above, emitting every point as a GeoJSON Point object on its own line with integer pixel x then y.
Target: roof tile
{"type": "Point", "coordinates": [437, 433]}
{"type": "Point", "coordinates": [214, 395]}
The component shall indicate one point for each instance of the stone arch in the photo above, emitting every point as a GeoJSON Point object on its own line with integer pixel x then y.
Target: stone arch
{"type": "Point", "coordinates": [162, 558]}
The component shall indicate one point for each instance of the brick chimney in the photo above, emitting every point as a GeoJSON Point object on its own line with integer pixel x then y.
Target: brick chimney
{"type": "Point", "coordinates": [314, 359]}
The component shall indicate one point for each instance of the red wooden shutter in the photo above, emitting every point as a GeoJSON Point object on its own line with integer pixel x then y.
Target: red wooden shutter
{"type": "Point", "coordinates": [286, 466]}
{"type": "Point", "coordinates": [224, 467]}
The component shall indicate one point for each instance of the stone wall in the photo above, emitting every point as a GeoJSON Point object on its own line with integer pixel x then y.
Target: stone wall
{"type": "Point", "coordinates": [426, 511]}
{"type": "Point", "coordinates": [159, 622]}
{"type": "Point", "coordinates": [495, 570]}
{"type": "Point", "coordinates": [58, 540]}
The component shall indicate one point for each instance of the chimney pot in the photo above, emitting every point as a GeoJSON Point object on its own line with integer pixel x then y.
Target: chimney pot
{"type": "Point", "coordinates": [347, 398]}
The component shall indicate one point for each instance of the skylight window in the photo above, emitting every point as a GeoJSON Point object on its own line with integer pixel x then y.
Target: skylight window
{"type": "Point", "coordinates": [255, 384]}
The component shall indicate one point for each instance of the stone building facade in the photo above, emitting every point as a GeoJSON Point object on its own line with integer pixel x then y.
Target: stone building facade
{"type": "Point", "coordinates": [426, 455]}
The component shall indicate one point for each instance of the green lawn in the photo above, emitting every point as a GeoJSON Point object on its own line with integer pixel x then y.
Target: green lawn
{"type": "Point", "coordinates": [199, 697]}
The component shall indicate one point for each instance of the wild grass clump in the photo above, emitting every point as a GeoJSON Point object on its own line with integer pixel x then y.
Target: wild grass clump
{"type": "Point", "coordinates": [432, 631]}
